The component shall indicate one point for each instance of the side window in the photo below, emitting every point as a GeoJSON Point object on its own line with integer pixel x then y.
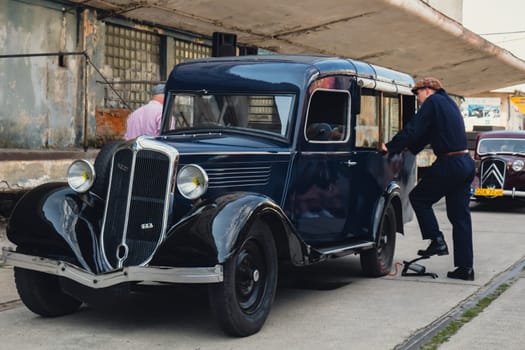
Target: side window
{"type": "Point", "coordinates": [391, 116]}
{"type": "Point", "coordinates": [367, 124]}
{"type": "Point", "coordinates": [327, 119]}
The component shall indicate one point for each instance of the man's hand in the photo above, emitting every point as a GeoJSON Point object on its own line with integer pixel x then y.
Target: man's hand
{"type": "Point", "coordinates": [384, 148]}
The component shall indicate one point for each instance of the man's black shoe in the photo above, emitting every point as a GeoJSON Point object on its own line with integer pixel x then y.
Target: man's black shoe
{"type": "Point", "coordinates": [462, 273]}
{"type": "Point", "coordinates": [437, 246]}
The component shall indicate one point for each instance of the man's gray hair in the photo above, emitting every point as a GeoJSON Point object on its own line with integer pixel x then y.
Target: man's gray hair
{"type": "Point", "coordinates": [158, 89]}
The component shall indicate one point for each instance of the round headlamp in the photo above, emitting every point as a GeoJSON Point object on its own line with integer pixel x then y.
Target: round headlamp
{"type": "Point", "coordinates": [517, 165]}
{"type": "Point", "coordinates": [192, 181]}
{"type": "Point", "coordinates": [80, 175]}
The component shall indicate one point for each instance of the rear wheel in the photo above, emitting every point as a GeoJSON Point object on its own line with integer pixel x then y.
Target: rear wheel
{"type": "Point", "coordinates": [377, 261]}
{"type": "Point", "coordinates": [41, 293]}
{"type": "Point", "coordinates": [243, 301]}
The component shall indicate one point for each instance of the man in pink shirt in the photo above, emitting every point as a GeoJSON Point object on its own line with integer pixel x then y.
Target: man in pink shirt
{"type": "Point", "coordinates": [146, 119]}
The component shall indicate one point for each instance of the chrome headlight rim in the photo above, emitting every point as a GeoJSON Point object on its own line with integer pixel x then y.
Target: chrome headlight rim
{"type": "Point", "coordinates": [192, 181]}
{"type": "Point", "coordinates": [81, 175]}
{"type": "Point", "coordinates": [518, 165]}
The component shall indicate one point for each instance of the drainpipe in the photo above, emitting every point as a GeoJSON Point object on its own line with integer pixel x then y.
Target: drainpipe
{"type": "Point", "coordinates": [85, 73]}
{"type": "Point", "coordinates": [85, 102]}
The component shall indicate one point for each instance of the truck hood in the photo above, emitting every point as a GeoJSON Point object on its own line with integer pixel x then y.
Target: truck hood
{"type": "Point", "coordinates": [219, 142]}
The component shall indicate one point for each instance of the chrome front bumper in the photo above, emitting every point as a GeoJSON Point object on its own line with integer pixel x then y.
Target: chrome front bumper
{"type": "Point", "coordinates": [513, 193]}
{"type": "Point", "coordinates": [506, 194]}
{"type": "Point", "coordinates": [142, 274]}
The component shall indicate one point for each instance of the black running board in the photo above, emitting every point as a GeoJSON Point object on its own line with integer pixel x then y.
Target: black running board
{"type": "Point", "coordinates": [345, 249]}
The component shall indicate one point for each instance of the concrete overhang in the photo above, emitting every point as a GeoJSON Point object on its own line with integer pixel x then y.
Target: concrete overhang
{"type": "Point", "coordinates": [406, 35]}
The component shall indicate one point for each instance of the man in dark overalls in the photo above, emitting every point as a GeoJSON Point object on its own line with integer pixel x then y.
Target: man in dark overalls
{"type": "Point", "coordinates": [440, 124]}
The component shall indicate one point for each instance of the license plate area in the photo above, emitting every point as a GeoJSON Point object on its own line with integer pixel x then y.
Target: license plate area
{"type": "Point", "coordinates": [488, 192]}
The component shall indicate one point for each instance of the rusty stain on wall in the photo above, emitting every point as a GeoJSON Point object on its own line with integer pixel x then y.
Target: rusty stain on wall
{"type": "Point", "coordinates": [111, 124]}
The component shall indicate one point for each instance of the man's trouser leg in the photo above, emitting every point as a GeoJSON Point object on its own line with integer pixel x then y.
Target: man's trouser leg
{"type": "Point", "coordinates": [458, 213]}
{"type": "Point", "coordinates": [427, 192]}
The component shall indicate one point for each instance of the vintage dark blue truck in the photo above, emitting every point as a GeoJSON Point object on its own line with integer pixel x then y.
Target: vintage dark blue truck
{"type": "Point", "coordinates": [261, 160]}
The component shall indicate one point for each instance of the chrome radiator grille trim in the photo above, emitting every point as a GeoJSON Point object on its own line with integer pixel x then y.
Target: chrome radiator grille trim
{"type": "Point", "coordinates": [137, 204]}
{"type": "Point", "coordinates": [238, 177]}
{"type": "Point", "coordinates": [492, 173]}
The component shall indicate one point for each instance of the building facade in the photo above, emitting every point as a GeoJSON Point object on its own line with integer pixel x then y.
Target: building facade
{"type": "Point", "coordinates": [69, 75]}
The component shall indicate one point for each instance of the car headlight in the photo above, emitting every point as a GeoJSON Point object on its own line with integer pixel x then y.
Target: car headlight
{"type": "Point", "coordinates": [517, 165]}
{"type": "Point", "coordinates": [80, 175]}
{"type": "Point", "coordinates": [192, 181]}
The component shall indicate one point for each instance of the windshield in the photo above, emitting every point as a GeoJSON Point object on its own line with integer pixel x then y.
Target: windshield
{"type": "Point", "coordinates": [268, 113]}
{"type": "Point", "coordinates": [509, 146]}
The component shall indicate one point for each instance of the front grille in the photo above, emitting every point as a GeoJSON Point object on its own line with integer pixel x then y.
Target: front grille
{"type": "Point", "coordinates": [492, 173]}
{"type": "Point", "coordinates": [136, 205]}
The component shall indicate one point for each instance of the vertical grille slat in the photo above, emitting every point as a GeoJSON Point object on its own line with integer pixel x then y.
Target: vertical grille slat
{"type": "Point", "coordinates": [145, 205]}
{"type": "Point", "coordinates": [118, 193]}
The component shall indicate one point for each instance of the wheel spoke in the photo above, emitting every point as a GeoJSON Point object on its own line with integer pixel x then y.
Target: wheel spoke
{"type": "Point", "coordinates": [250, 279]}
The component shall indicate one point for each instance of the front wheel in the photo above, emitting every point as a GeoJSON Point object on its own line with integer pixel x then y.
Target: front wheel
{"type": "Point", "coordinates": [242, 302]}
{"type": "Point", "coordinates": [41, 293]}
{"type": "Point", "coordinates": [377, 261]}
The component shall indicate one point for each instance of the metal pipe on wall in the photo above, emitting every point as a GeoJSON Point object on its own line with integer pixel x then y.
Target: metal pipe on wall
{"type": "Point", "coordinates": [87, 61]}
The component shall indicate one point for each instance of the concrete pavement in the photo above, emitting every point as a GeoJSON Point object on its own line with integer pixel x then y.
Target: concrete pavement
{"type": "Point", "coordinates": [500, 326]}
{"type": "Point", "coordinates": [326, 305]}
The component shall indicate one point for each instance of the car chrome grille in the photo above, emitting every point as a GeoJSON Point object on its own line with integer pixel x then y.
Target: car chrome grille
{"type": "Point", "coordinates": [236, 177]}
{"type": "Point", "coordinates": [492, 173]}
{"type": "Point", "coordinates": [136, 206]}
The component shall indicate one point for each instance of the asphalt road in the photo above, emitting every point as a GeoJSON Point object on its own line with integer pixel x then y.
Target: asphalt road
{"type": "Point", "coordinates": [326, 306]}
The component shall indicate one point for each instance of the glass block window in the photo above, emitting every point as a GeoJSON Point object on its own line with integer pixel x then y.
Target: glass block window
{"type": "Point", "coordinates": [185, 50]}
{"type": "Point", "coordinates": [134, 59]}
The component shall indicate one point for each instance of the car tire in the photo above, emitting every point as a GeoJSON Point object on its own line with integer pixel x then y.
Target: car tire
{"type": "Point", "coordinates": [103, 167]}
{"type": "Point", "coordinates": [41, 293]}
{"type": "Point", "coordinates": [242, 302]}
{"type": "Point", "coordinates": [377, 261]}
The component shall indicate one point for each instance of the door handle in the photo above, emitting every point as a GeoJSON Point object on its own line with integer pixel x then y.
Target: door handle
{"type": "Point", "coordinates": [349, 163]}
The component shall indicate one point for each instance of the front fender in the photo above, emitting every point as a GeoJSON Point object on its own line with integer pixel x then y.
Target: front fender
{"type": "Point", "coordinates": [211, 233]}
{"type": "Point", "coordinates": [55, 221]}
{"type": "Point", "coordinates": [391, 196]}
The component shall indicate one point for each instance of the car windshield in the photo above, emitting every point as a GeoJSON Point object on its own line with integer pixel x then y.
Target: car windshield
{"type": "Point", "coordinates": [508, 146]}
{"type": "Point", "coordinates": [262, 112]}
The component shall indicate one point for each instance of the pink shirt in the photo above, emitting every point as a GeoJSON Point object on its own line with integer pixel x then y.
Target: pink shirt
{"type": "Point", "coordinates": [144, 121]}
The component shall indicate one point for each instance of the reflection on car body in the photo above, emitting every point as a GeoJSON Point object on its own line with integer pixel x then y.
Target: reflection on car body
{"type": "Point", "coordinates": [261, 161]}
{"type": "Point", "coordinates": [500, 171]}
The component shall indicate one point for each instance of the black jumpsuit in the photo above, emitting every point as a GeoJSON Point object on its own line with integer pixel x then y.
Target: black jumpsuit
{"type": "Point", "coordinates": [440, 124]}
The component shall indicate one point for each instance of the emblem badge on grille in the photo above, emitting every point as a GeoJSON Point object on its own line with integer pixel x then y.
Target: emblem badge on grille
{"type": "Point", "coordinates": [122, 167]}
{"type": "Point", "coordinates": [493, 173]}
{"type": "Point", "coordinates": [146, 226]}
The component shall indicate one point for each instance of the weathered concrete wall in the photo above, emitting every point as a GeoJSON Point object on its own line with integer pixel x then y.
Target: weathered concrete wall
{"type": "Point", "coordinates": [22, 169]}
{"type": "Point", "coordinates": [38, 97]}
{"type": "Point", "coordinates": [43, 98]}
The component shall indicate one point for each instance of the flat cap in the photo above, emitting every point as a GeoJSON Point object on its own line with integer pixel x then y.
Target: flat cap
{"type": "Point", "coordinates": [158, 89]}
{"type": "Point", "coordinates": [431, 83]}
